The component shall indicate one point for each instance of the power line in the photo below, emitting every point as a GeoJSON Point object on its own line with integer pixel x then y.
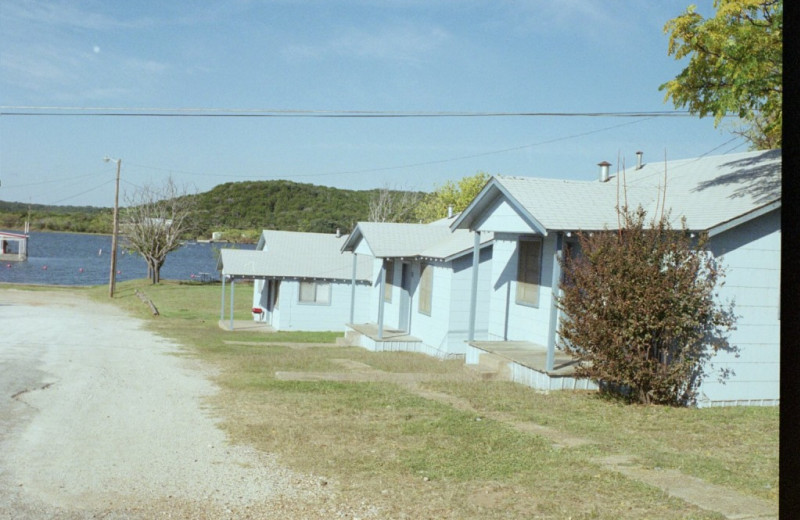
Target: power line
{"type": "Point", "coordinates": [60, 111]}
{"type": "Point", "coordinates": [82, 193]}
{"type": "Point", "coordinates": [482, 154]}
{"type": "Point", "coordinates": [51, 181]}
{"type": "Point", "coordinates": [408, 165]}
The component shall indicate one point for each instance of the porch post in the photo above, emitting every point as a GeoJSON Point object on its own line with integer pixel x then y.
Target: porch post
{"type": "Point", "coordinates": [555, 288]}
{"type": "Point", "coordinates": [222, 301]}
{"type": "Point", "coordinates": [353, 289]}
{"type": "Point", "coordinates": [473, 296]}
{"type": "Point", "coordinates": [233, 286]}
{"type": "Point", "coordinates": [381, 292]}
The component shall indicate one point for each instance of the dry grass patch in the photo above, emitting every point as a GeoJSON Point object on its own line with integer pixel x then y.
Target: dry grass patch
{"type": "Point", "coordinates": [731, 446]}
{"type": "Point", "coordinates": [413, 457]}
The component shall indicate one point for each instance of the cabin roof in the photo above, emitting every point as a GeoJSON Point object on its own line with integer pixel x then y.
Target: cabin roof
{"type": "Point", "coordinates": [707, 191]}
{"type": "Point", "coordinates": [399, 240]}
{"type": "Point", "coordinates": [289, 254]}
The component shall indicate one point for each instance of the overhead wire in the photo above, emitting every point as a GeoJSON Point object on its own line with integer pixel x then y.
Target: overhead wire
{"type": "Point", "coordinates": [407, 165]}
{"type": "Point", "coordinates": [57, 111]}
{"type": "Point", "coordinates": [82, 193]}
{"type": "Point", "coordinates": [50, 181]}
{"type": "Point", "coordinates": [32, 111]}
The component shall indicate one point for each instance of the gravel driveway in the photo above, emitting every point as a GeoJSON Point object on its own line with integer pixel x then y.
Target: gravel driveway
{"type": "Point", "coordinates": [99, 420]}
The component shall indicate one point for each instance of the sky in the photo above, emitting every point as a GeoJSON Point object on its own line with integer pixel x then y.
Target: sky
{"type": "Point", "coordinates": [243, 90]}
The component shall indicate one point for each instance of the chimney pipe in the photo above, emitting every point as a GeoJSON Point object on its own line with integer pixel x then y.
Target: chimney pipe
{"type": "Point", "coordinates": [639, 160]}
{"type": "Point", "coordinates": [338, 233]}
{"type": "Point", "coordinates": [604, 170]}
{"type": "Point", "coordinates": [450, 211]}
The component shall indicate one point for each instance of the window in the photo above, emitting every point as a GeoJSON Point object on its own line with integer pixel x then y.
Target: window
{"type": "Point", "coordinates": [528, 271]}
{"type": "Point", "coordinates": [387, 292]}
{"type": "Point", "coordinates": [425, 289]}
{"type": "Point", "coordinates": [315, 292]}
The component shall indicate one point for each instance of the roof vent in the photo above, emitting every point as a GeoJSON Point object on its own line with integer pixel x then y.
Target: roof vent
{"type": "Point", "coordinates": [604, 170]}
{"type": "Point", "coordinates": [450, 211]}
{"type": "Point", "coordinates": [639, 160]}
{"type": "Point", "coordinates": [338, 233]}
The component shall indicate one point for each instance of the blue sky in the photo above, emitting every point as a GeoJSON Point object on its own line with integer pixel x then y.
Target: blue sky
{"type": "Point", "coordinates": [415, 56]}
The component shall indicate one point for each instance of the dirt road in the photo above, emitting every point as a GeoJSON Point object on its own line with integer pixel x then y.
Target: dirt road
{"type": "Point", "coordinates": [98, 419]}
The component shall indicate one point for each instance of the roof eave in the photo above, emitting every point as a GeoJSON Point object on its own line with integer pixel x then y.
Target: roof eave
{"type": "Point", "coordinates": [741, 219]}
{"type": "Point", "coordinates": [467, 251]}
{"type": "Point", "coordinates": [352, 240]}
{"type": "Point", "coordinates": [465, 219]}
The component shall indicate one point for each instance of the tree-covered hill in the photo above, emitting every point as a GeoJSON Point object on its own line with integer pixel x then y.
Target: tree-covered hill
{"type": "Point", "coordinates": [253, 205]}
{"type": "Point", "coordinates": [280, 204]}
{"type": "Point", "coordinates": [78, 219]}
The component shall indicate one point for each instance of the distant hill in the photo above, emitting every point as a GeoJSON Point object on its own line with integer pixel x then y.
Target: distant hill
{"type": "Point", "coordinates": [279, 204]}
{"type": "Point", "coordinates": [78, 219]}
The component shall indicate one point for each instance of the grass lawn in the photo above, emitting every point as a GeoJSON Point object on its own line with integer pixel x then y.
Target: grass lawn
{"type": "Point", "coordinates": [383, 444]}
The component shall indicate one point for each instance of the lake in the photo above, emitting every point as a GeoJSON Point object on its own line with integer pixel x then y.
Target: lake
{"type": "Point", "coordinates": [79, 259]}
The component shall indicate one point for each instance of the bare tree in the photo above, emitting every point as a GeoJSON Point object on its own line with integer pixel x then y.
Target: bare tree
{"type": "Point", "coordinates": [393, 205]}
{"type": "Point", "coordinates": [153, 222]}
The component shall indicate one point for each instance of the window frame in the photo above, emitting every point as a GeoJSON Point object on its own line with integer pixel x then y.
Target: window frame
{"type": "Point", "coordinates": [388, 265]}
{"type": "Point", "coordinates": [317, 287]}
{"type": "Point", "coordinates": [425, 287]}
{"type": "Point", "coordinates": [525, 288]}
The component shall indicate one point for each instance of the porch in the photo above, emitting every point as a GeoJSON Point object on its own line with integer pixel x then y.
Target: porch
{"type": "Point", "coordinates": [525, 363]}
{"type": "Point", "coordinates": [366, 335]}
{"type": "Point", "coordinates": [245, 326]}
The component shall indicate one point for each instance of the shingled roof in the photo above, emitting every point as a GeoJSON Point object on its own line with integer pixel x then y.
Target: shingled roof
{"type": "Point", "coordinates": [708, 191]}
{"type": "Point", "coordinates": [289, 254]}
{"type": "Point", "coordinates": [398, 240]}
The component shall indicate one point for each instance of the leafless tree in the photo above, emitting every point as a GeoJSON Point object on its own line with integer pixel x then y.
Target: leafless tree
{"type": "Point", "coordinates": [393, 205]}
{"type": "Point", "coordinates": [153, 222]}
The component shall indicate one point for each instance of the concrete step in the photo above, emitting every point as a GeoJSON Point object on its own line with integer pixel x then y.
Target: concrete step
{"type": "Point", "coordinates": [492, 367]}
{"type": "Point", "coordinates": [351, 338]}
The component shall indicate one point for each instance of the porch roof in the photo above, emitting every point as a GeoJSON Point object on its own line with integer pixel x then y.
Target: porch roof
{"type": "Point", "coordinates": [303, 257]}
{"type": "Point", "coordinates": [708, 191]}
{"type": "Point", "coordinates": [14, 236]}
{"type": "Point", "coordinates": [398, 240]}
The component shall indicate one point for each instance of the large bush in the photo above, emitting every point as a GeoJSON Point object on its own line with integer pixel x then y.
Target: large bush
{"type": "Point", "coordinates": [640, 309]}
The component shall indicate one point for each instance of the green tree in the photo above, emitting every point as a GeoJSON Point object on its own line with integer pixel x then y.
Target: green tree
{"type": "Point", "coordinates": [456, 195]}
{"type": "Point", "coordinates": [735, 66]}
{"type": "Point", "coordinates": [640, 310]}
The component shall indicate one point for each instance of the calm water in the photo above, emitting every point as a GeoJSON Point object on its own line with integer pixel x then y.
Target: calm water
{"type": "Point", "coordinates": [76, 259]}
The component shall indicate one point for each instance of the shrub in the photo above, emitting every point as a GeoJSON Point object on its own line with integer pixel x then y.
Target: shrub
{"type": "Point", "coordinates": [640, 309]}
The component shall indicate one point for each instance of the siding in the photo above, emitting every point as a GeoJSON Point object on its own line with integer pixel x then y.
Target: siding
{"type": "Point", "coordinates": [433, 330]}
{"type": "Point", "coordinates": [460, 294]}
{"type": "Point", "coordinates": [501, 217]}
{"type": "Point", "coordinates": [293, 315]}
{"type": "Point", "coordinates": [510, 321]}
{"type": "Point", "coordinates": [751, 256]}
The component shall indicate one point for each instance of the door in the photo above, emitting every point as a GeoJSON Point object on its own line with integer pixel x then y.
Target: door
{"type": "Point", "coordinates": [274, 294]}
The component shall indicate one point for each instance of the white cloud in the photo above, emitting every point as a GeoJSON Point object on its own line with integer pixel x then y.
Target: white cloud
{"type": "Point", "coordinates": [592, 19]}
{"type": "Point", "coordinates": [44, 54]}
{"type": "Point", "coordinates": [54, 14]}
{"type": "Point", "coordinates": [404, 42]}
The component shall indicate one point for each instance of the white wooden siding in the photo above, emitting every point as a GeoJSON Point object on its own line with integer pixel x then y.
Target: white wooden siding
{"type": "Point", "coordinates": [501, 217]}
{"type": "Point", "coordinates": [511, 321]}
{"type": "Point", "coordinates": [751, 255]}
{"type": "Point", "coordinates": [292, 314]}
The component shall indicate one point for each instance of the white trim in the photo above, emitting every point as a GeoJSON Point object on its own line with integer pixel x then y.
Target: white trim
{"type": "Point", "coordinates": [725, 226]}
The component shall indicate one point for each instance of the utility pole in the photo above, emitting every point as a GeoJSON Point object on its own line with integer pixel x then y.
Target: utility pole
{"type": "Point", "coordinates": [112, 278]}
